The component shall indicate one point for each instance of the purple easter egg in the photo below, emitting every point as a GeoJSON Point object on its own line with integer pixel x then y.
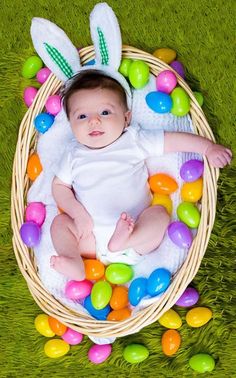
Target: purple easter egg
{"type": "Point", "coordinates": [99, 353]}
{"type": "Point", "coordinates": [189, 298]}
{"type": "Point", "coordinates": [180, 234]}
{"type": "Point", "coordinates": [29, 95]}
{"type": "Point", "coordinates": [43, 74]}
{"type": "Point", "coordinates": [191, 170]}
{"type": "Point", "coordinates": [166, 81]}
{"type": "Point", "coordinates": [30, 233]}
{"type": "Point", "coordinates": [72, 337]}
{"type": "Point", "coordinates": [178, 67]}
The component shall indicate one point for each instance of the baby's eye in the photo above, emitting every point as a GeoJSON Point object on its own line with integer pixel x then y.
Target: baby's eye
{"type": "Point", "coordinates": [105, 112]}
{"type": "Point", "coordinates": [82, 116]}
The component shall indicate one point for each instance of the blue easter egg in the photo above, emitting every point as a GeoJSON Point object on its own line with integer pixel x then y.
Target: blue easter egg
{"type": "Point", "coordinates": [90, 63]}
{"type": "Point", "coordinates": [43, 122]}
{"type": "Point", "coordinates": [159, 102]}
{"type": "Point", "coordinates": [158, 281]}
{"type": "Point", "coordinates": [97, 314]}
{"type": "Point", "coordinates": [137, 290]}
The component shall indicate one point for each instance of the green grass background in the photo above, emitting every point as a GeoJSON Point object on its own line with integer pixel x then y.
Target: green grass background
{"type": "Point", "coordinates": [203, 34]}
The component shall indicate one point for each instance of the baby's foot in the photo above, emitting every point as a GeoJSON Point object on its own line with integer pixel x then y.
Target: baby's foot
{"type": "Point", "coordinates": [124, 228]}
{"type": "Point", "coordinates": [72, 268]}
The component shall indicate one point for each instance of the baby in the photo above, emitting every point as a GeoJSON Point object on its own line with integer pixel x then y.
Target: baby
{"type": "Point", "coordinates": [101, 183]}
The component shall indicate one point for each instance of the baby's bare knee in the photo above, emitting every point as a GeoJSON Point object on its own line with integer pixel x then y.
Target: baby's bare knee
{"type": "Point", "coordinates": [60, 221]}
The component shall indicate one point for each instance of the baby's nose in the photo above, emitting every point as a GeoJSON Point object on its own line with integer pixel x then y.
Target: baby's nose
{"type": "Point", "coordinates": [94, 118]}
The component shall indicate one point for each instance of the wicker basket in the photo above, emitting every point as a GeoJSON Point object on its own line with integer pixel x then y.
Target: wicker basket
{"type": "Point", "coordinates": [26, 144]}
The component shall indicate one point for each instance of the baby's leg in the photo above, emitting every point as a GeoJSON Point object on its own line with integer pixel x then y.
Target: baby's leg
{"type": "Point", "coordinates": [145, 235]}
{"type": "Point", "coordinates": [70, 248]}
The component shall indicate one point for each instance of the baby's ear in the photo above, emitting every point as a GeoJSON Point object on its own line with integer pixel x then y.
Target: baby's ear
{"type": "Point", "coordinates": [128, 116]}
{"type": "Point", "coordinates": [55, 48]}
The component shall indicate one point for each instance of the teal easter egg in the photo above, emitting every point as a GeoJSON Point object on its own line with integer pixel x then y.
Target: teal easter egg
{"type": "Point", "coordinates": [119, 273]}
{"type": "Point", "coordinates": [189, 214]}
{"type": "Point", "coordinates": [199, 97]}
{"type": "Point", "coordinates": [135, 353]}
{"type": "Point", "coordinates": [125, 66]}
{"type": "Point", "coordinates": [181, 102]}
{"type": "Point", "coordinates": [138, 74]}
{"type": "Point", "coordinates": [101, 294]}
{"type": "Point", "coordinates": [202, 363]}
{"type": "Point", "coordinates": [31, 66]}
{"type": "Point", "coordinates": [159, 102]}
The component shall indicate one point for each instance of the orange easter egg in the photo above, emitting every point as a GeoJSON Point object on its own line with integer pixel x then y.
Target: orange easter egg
{"type": "Point", "coordinates": [119, 298]}
{"type": "Point", "coordinates": [94, 269]}
{"type": "Point", "coordinates": [118, 315]}
{"type": "Point", "coordinates": [56, 326]}
{"type": "Point", "coordinates": [162, 184]}
{"type": "Point", "coordinates": [34, 167]}
{"type": "Point", "coordinates": [163, 200]}
{"type": "Point", "coordinates": [170, 342]}
{"type": "Point", "coordinates": [192, 191]}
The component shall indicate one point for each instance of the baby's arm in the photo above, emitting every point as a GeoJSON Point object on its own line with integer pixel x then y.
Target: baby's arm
{"type": "Point", "coordinates": [217, 155]}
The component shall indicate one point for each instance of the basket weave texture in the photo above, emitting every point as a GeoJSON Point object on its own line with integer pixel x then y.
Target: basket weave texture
{"type": "Point", "coordinates": [26, 145]}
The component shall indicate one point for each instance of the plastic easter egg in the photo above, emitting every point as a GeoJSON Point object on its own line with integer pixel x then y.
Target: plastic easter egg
{"type": "Point", "coordinates": [189, 298]}
{"type": "Point", "coordinates": [170, 319]}
{"type": "Point", "coordinates": [159, 102]}
{"type": "Point", "coordinates": [119, 315]}
{"type": "Point", "coordinates": [99, 353]}
{"type": "Point", "coordinates": [158, 281]}
{"type": "Point", "coordinates": [162, 184]}
{"type": "Point", "coordinates": [35, 212]}
{"type": "Point", "coordinates": [170, 342]}
{"type": "Point", "coordinates": [56, 326]}
{"type": "Point", "coordinates": [43, 122]}
{"type": "Point", "coordinates": [166, 81]}
{"type": "Point", "coordinates": [56, 348]}
{"type": "Point", "coordinates": [125, 66]}
{"type": "Point", "coordinates": [163, 200]}
{"type": "Point", "coordinates": [199, 97]}
{"type": "Point", "coordinates": [178, 67]}
{"type": "Point", "coordinates": [202, 363]}
{"type": "Point", "coordinates": [97, 314]}
{"type": "Point", "coordinates": [192, 170]}
{"type": "Point", "coordinates": [90, 62]}
{"type": "Point", "coordinates": [77, 290]}
{"type": "Point", "coordinates": [119, 273]}
{"type": "Point", "coordinates": [101, 294]}
{"type": "Point", "coordinates": [138, 74]}
{"type": "Point", "coordinates": [94, 269]}
{"type": "Point", "coordinates": [29, 95]}
{"type": "Point", "coordinates": [135, 353]}
{"type": "Point", "coordinates": [34, 167]}
{"type": "Point", "coordinates": [137, 290]}
{"type": "Point", "coordinates": [180, 234]}
{"type": "Point", "coordinates": [165, 54]}
{"type": "Point", "coordinates": [192, 191]}
{"type": "Point", "coordinates": [42, 325]}
{"type": "Point", "coordinates": [189, 214]}
{"type": "Point", "coordinates": [31, 66]}
{"type": "Point", "coordinates": [72, 337]}
{"type": "Point", "coordinates": [198, 316]}
{"type": "Point", "coordinates": [181, 102]}
{"type": "Point", "coordinates": [30, 234]}
{"type": "Point", "coordinates": [43, 74]}
{"type": "Point", "coordinates": [53, 104]}
{"type": "Point", "coordinates": [119, 298]}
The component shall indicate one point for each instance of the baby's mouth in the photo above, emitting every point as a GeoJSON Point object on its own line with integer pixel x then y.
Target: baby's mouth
{"type": "Point", "coordinates": [96, 133]}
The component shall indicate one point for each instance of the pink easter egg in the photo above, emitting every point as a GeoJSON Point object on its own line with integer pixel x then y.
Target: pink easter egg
{"type": "Point", "coordinates": [35, 212]}
{"type": "Point", "coordinates": [72, 337]}
{"type": "Point", "coordinates": [166, 81]}
{"type": "Point", "coordinates": [99, 353]}
{"type": "Point", "coordinates": [29, 95]}
{"type": "Point", "coordinates": [43, 74]}
{"type": "Point", "coordinates": [77, 290]}
{"type": "Point", "coordinates": [53, 104]}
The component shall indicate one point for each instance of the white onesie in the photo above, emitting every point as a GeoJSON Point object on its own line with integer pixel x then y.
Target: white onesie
{"type": "Point", "coordinates": [110, 180]}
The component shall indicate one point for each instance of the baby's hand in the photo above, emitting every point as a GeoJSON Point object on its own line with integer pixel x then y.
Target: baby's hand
{"type": "Point", "coordinates": [218, 155]}
{"type": "Point", "coordinates": [84, 224]}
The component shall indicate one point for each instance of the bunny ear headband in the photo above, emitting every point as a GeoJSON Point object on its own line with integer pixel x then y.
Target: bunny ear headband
{"type": "Point", "coordinates": [60, 55]}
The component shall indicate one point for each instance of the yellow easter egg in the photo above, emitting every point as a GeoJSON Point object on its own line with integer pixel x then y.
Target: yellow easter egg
{"type": "Point", "coordinates": [192, 191]}
{"type": "Point", "coordinates": [163, 200]}
{"type": "Point", "coordinates": [198, 316]}
{"type": "Point", "coordinates": [170, 319]}
{"type": "Point", "coordinates": [56, 348]}
{"type": "Point", "coordinates": [42, 325]}
{"type": "Point", "coordinates": [165, 54]}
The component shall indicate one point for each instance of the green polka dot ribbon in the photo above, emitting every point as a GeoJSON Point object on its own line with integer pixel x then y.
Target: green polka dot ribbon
{"type": "Point", "coordinates": [103, 47]}
{"type": "Point", "coordinates": [59, 60]}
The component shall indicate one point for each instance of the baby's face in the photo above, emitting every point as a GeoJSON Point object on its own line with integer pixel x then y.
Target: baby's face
{"type": "Point", "coordinates": [97, 116]}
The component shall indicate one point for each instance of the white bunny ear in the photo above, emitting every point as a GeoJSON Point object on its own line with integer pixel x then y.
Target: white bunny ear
{"type": "Point", "coordinates": [55, 48]}
{"type": "Point", "coordinates": [105, 33]}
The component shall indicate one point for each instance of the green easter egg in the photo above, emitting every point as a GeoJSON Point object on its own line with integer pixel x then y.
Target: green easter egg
{"type": "Point", "coordinates": [138, 74]}
{"type": "Point", "coordinates": [181, 102]}
{"type": "Point", "coordinates": [125, 66]}
{"type": "Point", "coordinates": [101, 294]}
{"type": "Point", "coordinates": [202, 363]}
{"type": "Point", "coordinates": [189, 214]}
{"type": "Point", "coordinates": [199, 97]}
{"type": "Point", "coordinates": [31, 66]}
{"type": "Point", "coordinates": [135, 353]}
{"type": "Point", "coordinates": [119, 273]}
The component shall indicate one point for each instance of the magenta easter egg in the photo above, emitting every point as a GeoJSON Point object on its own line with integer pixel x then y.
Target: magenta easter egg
{"type": "Point", "coordinates": [30, 234]}
{"type": "Point", "coordinates": [99, 353]}
{"type": "Point", "coordinates": [180, 234]}
{"type": "Point", "coordinates": [192, 170]}
{"type": "Point", "coordinates": [178, 67]}
{"type": "Point", "coordinates": [166, 81]}
{"type": "Point", "coordinates": [72, 337]}
{"type": "Point", "coordinates": [29, 95]}
{"type": "Point", "coordinates": [35, 212]}
{"type": "Point", "coordinates": [77, 290]}
{"type": "Point", "coordinates": [53, 104]}
{"type": "Point", "coordinates": [189, 298]}
{"type": "Point", "coordinates": [43, 74]}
